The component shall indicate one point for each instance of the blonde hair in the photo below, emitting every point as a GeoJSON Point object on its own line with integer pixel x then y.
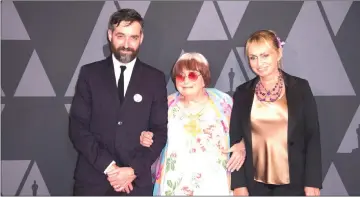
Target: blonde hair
{"type": "Point", "coordinates": [268, 37]}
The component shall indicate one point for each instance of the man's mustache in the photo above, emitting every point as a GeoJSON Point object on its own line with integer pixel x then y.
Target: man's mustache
{"type": "Point", "coordinates": [126, 49]}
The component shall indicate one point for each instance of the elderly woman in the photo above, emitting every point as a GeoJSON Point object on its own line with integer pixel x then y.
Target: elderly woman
{"type": "Point", "coordinates": [195, 160]}
{"type": "Point", "coordinates": [276, 115]}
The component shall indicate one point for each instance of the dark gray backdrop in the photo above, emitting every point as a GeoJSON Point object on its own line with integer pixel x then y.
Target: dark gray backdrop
{"type": "Point", "coordinates": [44, 43]}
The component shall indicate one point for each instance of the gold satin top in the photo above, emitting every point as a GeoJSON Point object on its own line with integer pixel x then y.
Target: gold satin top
{"type": "Point", "coordinates": [269, 125]}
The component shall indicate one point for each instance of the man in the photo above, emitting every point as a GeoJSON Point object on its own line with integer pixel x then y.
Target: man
{"type": "Point", "coordinates": [115, 100]}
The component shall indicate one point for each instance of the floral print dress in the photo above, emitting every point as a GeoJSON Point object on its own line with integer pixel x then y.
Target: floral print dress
{"type": "Point", "coordinates": [192, 163]}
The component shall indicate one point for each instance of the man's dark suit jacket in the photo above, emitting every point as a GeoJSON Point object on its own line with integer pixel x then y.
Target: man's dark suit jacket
{"type": "Point", "coordinates": [303, 134]}
{"type": "Point", "coordinates": [102, 130]}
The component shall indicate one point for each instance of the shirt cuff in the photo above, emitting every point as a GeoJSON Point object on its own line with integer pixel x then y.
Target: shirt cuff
{"type": "Point", "coordinates": [108, 168]}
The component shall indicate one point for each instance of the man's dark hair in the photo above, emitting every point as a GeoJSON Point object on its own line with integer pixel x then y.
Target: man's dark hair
{"type": "Point", "coordinates": [129, 15]}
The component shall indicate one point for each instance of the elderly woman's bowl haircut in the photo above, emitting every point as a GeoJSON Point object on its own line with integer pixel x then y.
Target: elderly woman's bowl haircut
{"type": "Point", "coordinates": [192, 61]}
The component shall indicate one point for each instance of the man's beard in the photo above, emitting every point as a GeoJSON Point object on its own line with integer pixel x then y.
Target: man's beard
{"type": "Point", "coordinates": [124, 57]}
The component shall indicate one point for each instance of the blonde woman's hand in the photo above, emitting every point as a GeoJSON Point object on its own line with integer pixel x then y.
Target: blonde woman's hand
{"type": "Point", "coordinates": [312, 191]}
{"type": "Point", "coordinates": [241, 191]}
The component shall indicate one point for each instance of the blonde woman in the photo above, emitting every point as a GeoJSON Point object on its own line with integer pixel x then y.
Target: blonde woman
{"type": "Point", "coordinates": [275, 113]}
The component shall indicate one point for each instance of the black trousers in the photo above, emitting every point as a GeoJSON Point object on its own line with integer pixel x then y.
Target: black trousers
{"type": "Point", "coordinates": [261, 189]}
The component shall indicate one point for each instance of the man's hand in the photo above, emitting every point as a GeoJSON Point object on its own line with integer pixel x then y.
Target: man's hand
{"type": "Point", "coordinates": [128, 187]}
{"type": "Point", "coordinates": [237, 158]}
{"type": "Point", "coordinates": [312, 191]}
{"type": "Point", "coordinates": [146, 138]}
{"type": "Point", "coordinates": [241, 191]}
{"type": "Point", "coordinates": [120, 178]}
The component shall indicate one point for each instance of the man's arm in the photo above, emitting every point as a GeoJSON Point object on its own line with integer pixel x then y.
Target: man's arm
{"type": "Point", "coordinates": [144, 156]}
{"type": "Point", "coordinates": [79, 124]}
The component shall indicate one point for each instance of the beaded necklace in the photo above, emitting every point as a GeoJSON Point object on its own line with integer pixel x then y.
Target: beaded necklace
{"type": "Point", "coordinates": [271, 95]}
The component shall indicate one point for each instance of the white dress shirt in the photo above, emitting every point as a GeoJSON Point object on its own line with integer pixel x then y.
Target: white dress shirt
{"type": "Point", "coordinates": [127, 72]}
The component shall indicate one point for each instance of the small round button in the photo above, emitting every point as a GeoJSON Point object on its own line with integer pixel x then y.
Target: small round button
{"type": "Point", "coordinates": [119, 123]}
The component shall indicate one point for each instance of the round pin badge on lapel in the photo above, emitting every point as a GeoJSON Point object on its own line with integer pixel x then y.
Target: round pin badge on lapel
{"type": "Point", "coordinates": [137, 98]}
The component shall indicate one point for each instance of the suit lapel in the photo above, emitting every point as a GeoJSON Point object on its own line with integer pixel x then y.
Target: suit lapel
{"type": "Point", "coordinates": [134, 83]}
{"type": "Point", "coordinates": [247, 101]}
{"type": "Point", "coordinates": [293, 102]}
{"type": "Point", "coordinates": [110, 81]}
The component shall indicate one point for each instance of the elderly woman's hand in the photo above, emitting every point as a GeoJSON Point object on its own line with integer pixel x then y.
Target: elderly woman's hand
{"type": "Point", "coordinates": [146, 138]}
{"type": "Point", "coordinates": [237, 158]}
